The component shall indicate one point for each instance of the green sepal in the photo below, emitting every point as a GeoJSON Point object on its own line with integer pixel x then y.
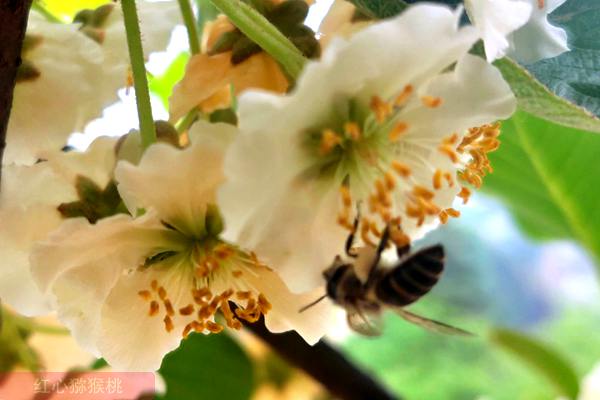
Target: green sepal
{"type": "Point", "coordinates": [226, 115]}
{"type": "Point", "coordinates": [94, 202]}
{"type": "Point", "coordinates": [225, 42]}
{"type": "Point", "coordinates": [213, 220]}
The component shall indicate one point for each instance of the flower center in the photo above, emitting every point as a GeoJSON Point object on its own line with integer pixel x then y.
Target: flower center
{"type": "Point", "coordinates": [397, 190]}
{"type": "Point", "coordinates": [216, 270]}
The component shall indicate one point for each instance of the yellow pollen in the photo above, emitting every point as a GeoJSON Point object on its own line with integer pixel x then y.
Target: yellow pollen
{"type": "Point", "coordinates": [401, 169]}
{"type": "Point", "coordinates": [431, 101]}
{"type": "Point", "coordinates": [464, 194]}
{"type": "Point", "coordinates": [397, 131]}
{"type": "Point", "coordinates": [352, 130]}
{"type": "Point", "coordinates": [403, 96]}
{"type": "Point", "coordinates": [154, 308]}
{"type": "Point", "coordinates": [437, 180]}
{"type": "Point", "coordinates": [145, 294]}
{"type": "Point", "coordinates": [329, 139]}
{"type": "Point", "coordinates": [187, 310]}
{"type": "Point", "coordinates": [380, 108]}
{"type": "Point", "coordinates": [168, 324]}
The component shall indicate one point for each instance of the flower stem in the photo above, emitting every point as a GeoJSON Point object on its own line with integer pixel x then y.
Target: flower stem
{"type": "Point", "coordinates": [138, 69]}
{"type": "Point", "coordinates": [187, 121]}
{"type": "Point", "coordinates": [262, 32]}
{"type": "Point", "coordinates": [190, 24]}
{"type": "Point", "coordinates": [31, 325]}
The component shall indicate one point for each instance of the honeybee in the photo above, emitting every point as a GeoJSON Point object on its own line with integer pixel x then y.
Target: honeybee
{"type": "Point", "coordinates": [383, 288]}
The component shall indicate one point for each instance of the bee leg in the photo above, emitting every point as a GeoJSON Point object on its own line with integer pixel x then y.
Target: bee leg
{"type": "Point", "coordinates": [350, 239]}
{"type": "Point", "coordinates": [385, 237]}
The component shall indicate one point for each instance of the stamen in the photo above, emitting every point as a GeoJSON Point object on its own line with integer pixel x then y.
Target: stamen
{"type": "Point", "coordinates": [154, 285]}
{"type": "Point", "coordinates": [213, 327]}
{"type": "Point", "coordinates": [162, 293]}
{"type": "Point", "coordinates": [449, 151]}
{"type": "Point", "coordinates": [403, 96]}
{"type": "Point", "coordinates": [168, 324]}
{"type": "Point", "coordinates": [169, 307]}
{"type": "Point", "coordinates": [437, 180]}
{"type": "Point", "coordinates": [352, 130]}
{"type": "Point", "coordinates": [187, 310]}
{"type": "Point", "coordinates": [464, 194]}
{"type": "Point", "coordinates": [397, 131]}
{"type": "Point", "coordinates": [401, 169]}
{"type": "Point", "coordinates": [449, 179]}
{"type": "Point", "coordinates": [390, 181]}
{"type": "Point", "coordinates": [145, 294]}
{"type": "Point", "coordinates": [237, 273]}
{"type": "Point", "coordinates": [443, 217]}
{"type": "Point", "coordinates": [380, 108]}
{"type": "Point", "coordinates": [154, 308]}
{"type": "Point", "coordinates": [329, 139]}
{"type": "Point", "coordinates": [452, 212]}
{"type": "Point", "coordinates": [431, 101]}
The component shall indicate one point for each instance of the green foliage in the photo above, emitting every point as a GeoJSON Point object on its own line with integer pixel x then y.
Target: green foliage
{"type": "Point", "coordinates": [162, 85]}
{"type": "Point", "coordinates": [207, 367]}
{"type": "Point", "coordinates": [542, 358]}
{"type": "Point", "coordinates": [380, 9]}
{"type": "Point", "coordinates": [548, 176]}
{"type": "Point", "coordinates": [536, 99]}
{"type": "Point", "coordinates": [574, 74]}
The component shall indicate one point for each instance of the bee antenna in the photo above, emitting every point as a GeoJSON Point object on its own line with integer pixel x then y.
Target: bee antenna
{"type": "Point", "coordinates": [314, 303]}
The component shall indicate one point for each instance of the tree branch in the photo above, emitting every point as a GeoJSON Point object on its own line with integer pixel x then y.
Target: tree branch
{"type": "Point", "coordinates": [325, 364]}
{"type": "Point", "coordinates": [13, 22]}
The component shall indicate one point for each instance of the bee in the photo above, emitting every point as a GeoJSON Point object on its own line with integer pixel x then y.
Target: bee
{"type": "Point", "coordinates": [381, 288]}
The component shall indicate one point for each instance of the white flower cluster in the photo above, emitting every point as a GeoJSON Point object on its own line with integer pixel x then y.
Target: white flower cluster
{"type": "Point", "coordinates": [395, 120]}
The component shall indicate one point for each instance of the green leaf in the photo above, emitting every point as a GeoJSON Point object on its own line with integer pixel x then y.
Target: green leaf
{"type": "Point", "coordinates": [538, 100]}
{"type": "Point", "coordinates": [379, 9]}
{"type": "Point", "coordinates": [548, 176]}
{"type": "Point", "coordinates": [580, 19]}
{"type": "Point", "coordinates": [162, 85]}
{"type": "Point", "coordinates": [574, 76]}
{"type": "Point", "coordinates": [542, 358]}
{"type": "Point", "coordinates": [207, 367]}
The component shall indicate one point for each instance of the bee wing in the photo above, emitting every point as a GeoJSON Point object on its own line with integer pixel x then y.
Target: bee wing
{"type": "Point", "coordinates": [363, 323]}
{"type": "Point", "coordinates": [430, 324]}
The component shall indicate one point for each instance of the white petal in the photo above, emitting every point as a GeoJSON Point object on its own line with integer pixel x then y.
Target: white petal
{"type": "Point", "coordinates": [79, 264]}
{"type": "Point", "coordinates": [312, 324]}
{"type": "Point", "coordinates": [71, 69]}
{"type": "Point", "coordinates": [178, 183]}
{"type": "Point", "coordinates": [28, 210]}
{"type": "Point", "coordinates": [539, 39]}
{"type": "Point", "coordinates": [130, 339]}
{"type": "Point", "coordinates": [495, 20]}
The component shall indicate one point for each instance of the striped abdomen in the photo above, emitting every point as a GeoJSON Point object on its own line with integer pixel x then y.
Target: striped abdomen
{"type": "Point", "coordinates": [412, 278]}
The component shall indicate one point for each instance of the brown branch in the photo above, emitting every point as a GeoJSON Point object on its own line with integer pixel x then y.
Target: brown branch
{"type": "Point", "coordinates": [325, 364]}
{"type": "Point", "coordinates": [13, 21]}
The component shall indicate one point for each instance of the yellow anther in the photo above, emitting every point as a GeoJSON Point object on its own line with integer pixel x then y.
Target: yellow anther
{"type": "Point", "coordinates": [187, 310]}
{"type": "Point", "coordinates": [237, 273]}
{"type": "Point", "coordinates": [403, 96]}
{"type": "Point", "coordinates": [213, 327]}
{"type": "Point", "coordinates": [352, 130]}
{"type": "Point", "coordinates": [452, 212]}
{"type": "Point", "coordinates": [443, 217]}
{"type": "Point", "coordinates": [145, 294]}
{"type": "Point", "coordinates": [431, 101]}
{"type": "Point", "coordinates": [464, 194]}
{"type": "Point", "coordinates": [423, 192]}
{"type": "Point", "coordinates": [329, 139]}
{"type": "Point", "coordinates": [346, 197]}
{"type": "Point", "coordinates": [162, 293]}
{"type": "Point", "coordinates": [154, 308]}
{"type": "Point", "coordinates": [380, 108]}
{"type": "Point", "coordinates": [437, 180]}
{"type": "Point", "coordinates": [449, 179]}
{"type": "Point", "coordinates": [154, 285]}
{"type": "Point", "coordinates": [450, 152]}
{"type": "Point", "coordinates": [397, 131]}
{"type": "Point", "coordinates": [390, 180]}
{"type": "Point", "coordinates": [401, 169]}
{"type": "Point", "coordinates": [168, 324]}
{"type": "Point", "coordinates": [169, 307]}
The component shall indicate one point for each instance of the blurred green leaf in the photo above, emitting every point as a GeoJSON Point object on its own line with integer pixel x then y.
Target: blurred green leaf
{"type": "Point", "coordinates": [580, 19]}
{"type": "Point", "coordinates": [207, 367]}
{"type": "Point", "coordinates": [380, 9]}
{"type": "Point", "coordinates": [539, 356]}
{"type": "Point", "coordinates": [548, 176]}
{"type": "Point", "coordinates": [66, 10]}
{"type": "Point", "coordinates": [538, 100]}
{"type": "Point", "coordinates": [206, 12]}
{"type": "Point", "coordinates": [574, 74]}
{"type": "Point", "coordinates": [162, 85]}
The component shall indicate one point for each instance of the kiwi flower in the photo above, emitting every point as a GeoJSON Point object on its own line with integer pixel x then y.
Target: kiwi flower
{"type": "Point", "coordinates": [130, 288]}
{"type": "Point", "coordinates": [394, 128]}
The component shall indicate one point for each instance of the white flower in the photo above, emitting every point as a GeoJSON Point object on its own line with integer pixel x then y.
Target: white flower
{"type": "Point", "coordinates": [62, 99]}
{"type": "Point", "coordinates": [128, 288]}
{"type": "Point", "coordinates": [590, 387]}
{"type": "Point", "coordinates": [539, 39]}
{"type": "Point", "coordinates": [79, 75]}
{"type": "Point", "coordinates": [384, 122]}
{"type": "Point", "coordinates": [517, 28]}
{"type": "Point", "coordinates": [496, 19]}
{"type": "Point", "coordinates": [29, 203]}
